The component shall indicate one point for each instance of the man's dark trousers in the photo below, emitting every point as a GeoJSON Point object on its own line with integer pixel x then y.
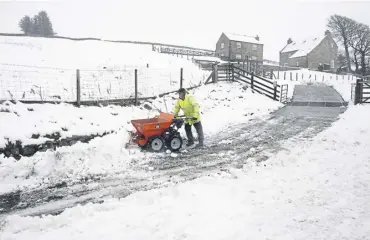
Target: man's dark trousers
{"type": "Point", "coordinates": [189, 134]}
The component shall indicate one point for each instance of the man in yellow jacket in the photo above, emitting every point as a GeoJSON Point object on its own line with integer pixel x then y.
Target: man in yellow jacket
{"type": "Point", "coordinates": [190, 107]}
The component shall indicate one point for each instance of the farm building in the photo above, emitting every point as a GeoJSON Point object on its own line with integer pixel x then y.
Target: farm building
{"type": "Point", "coordinates": [312, 53]}
{"type": "Point", "coordinates": [237, 47]}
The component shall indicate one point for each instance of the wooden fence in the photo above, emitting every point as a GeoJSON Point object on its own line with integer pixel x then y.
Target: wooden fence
{"type": "Point", "coordinates": [257, 83]}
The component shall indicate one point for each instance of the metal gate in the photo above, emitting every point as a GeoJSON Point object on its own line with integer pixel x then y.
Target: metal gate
{"type": "Point", "coordinates": [284, 93]}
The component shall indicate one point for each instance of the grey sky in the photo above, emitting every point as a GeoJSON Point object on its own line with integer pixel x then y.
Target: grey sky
{"type": "Point", "coordinates": [191, 22]}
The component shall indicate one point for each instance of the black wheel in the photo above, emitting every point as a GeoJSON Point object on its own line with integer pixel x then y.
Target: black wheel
{"type": "Point", "coordinates": [156, 144]}
{"type": "Point", "coordinates": [175, 143]}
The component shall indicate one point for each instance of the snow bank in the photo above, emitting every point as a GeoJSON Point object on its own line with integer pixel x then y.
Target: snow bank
{"type": "Point", "coordinates": [222, 105]}
{"type": "Point", "coordinates": [314, 190]}
{"type": "Point", "coordinates": [341, 83]}
{"type": "Point", "coordinates": [19, 122]}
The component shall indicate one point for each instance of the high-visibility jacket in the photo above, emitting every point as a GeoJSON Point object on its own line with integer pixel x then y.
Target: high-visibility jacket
{"type": "Point", "coordinates": [189, 107]}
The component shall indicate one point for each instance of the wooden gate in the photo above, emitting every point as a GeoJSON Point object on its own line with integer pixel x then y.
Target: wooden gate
{"type": "Point", "coordinates": [360, 91]}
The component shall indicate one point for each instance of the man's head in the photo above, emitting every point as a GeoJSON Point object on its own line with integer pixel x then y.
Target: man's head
{"type": "Point", "coordinates": [182, 93]}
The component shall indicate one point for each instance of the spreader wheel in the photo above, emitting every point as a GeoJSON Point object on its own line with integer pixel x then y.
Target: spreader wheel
{"type": "Point", "coordinates": [175, 143]}
{"type": "Point", "coordinates": [156, 144]}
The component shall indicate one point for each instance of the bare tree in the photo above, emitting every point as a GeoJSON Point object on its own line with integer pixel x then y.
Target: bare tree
{"type": "Point", "coordinates": [360, 42]}
{"type": "Point", "coordinates": [355, 59]}
{"type": "Point", "coordinates": [341, 28]}
{"type": "Point", "coordinates": [342, 60]}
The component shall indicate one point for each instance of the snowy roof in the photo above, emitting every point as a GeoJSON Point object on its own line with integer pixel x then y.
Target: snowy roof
{"type": "Point", "coordinates": [302, 47]}
{"type": "Point", "coordinates": [242, 38]}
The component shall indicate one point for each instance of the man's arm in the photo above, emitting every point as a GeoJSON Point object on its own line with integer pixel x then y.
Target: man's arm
{"type": "Point", "coordinates": [177, 108]}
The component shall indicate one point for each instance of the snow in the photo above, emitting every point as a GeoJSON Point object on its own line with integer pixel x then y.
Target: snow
{"type": "Point", "coordinates": [315, 189]}
{"type": "Point", "coordinates": [303, 47]}
{"type": "Point", "coordinates": [47, 70]}
{"type": "Point", "coordinates": [242, 38]}
{"type": "Point", "coordinates": [107, 156]}
{"type": "Point", "coordinates": [209, 59]}
{"type": "Point", "coordinates": [341, 83]}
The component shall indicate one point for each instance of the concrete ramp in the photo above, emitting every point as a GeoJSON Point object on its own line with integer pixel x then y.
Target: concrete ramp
{"type": "Point", "coordinates": [316, 95]}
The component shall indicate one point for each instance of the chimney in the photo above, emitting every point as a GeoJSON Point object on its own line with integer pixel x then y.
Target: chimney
{"type": "Point", "coordinates": [289, 41]}
{"type": "Point", "coordinates": [327, 33]}
{"type": "Point", "coordinates": [257, 38]}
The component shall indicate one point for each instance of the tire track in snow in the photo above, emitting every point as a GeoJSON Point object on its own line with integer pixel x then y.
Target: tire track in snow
{"type": "Point", "coordinates": [231, 148]}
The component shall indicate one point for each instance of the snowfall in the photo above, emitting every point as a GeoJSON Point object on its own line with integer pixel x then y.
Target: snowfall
{"type": "Point", "coordinates": [314, 189]}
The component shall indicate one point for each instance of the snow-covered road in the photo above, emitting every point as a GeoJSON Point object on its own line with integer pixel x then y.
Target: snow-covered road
{"type": "Point", "coordinates": [236, 147]}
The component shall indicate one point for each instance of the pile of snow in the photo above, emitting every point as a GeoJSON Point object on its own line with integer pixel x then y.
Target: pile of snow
{"type": "Point", "coordinates": [341, 83]}
{"type": "Point", "coordinates": [222, 105]}
{"type": "Point", "coordinates": [47, 70]}
{"type": "Point", "coordinates": [19, 122]}
{"type": "Point", "coordinates": [314, 190]}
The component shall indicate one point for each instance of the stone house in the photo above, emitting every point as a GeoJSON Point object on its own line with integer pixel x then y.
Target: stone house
{"type": "Point", "coordinates": [312, 53]}
{"type": "Point", "coordinates": [237, 47]}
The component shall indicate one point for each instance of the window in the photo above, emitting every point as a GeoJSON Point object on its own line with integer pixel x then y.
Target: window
{"type": "Point", "coordinates": [238, 56]}
{"type": "Point", "coordinates": [238, 45]}
{"type": "Point", "coordinates": [222, 54]}
{"type": "Point", "coordinates": [254, 58]}
{"type": "Point", "coordinates": [297, 64]}
{"type": "Point", "coordinates": [254, 47]}
{"type": "Point", "coordinates": [332, 64]}
{"type": "Point", "coordinates": [222, 45]}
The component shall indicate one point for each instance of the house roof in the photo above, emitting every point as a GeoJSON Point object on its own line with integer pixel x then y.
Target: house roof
{"type": "Point", "coordinates": [304, 47]}
{"type": "Point", "coordinates": [242, 38]}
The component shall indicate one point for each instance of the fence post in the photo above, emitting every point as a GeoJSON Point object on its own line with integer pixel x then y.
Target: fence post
{"type": "Point", "coordinates": [78, 87]}
{"type": "Point", "coordinates": [285, 75]}
{"type": "Point", "coordinates": [279, 74]}
{"type": "Point", "coordinates": [291, 76]}
{"type": "Point", "coordinates": [315, 77]}
{"type": "Point", "coordinates": [271, 74]}
{"type": "Point", "coordinates": [181, 77]}
{"type": "Point", "coordinates": [232, 72]}
{"type": "Point", "coordinates": [215, 74]}
{"type": "Point", "coordinates": [136, 87]}
{"type": "Point", "coordinates": [296, 76]}
{"type": "Point", "coordinates": [252, 79]}
{"type": "Point", "coordinates": [275, 90]}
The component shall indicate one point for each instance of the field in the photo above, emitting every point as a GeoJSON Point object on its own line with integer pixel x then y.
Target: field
{"type": "Point", "coordinates": [45, 69]}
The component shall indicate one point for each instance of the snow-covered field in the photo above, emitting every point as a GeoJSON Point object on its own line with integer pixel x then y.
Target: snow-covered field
{"type": "Point", "coordinates": [45, 69]}
{"type": "Point", "coordinates": [341, 83]}
{"type": "Point", "coordinates": [315, 189]}
{"type": "Point", "coordinates": [107, 155]}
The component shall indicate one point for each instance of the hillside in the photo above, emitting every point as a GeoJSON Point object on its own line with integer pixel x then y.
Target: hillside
{"type": "Point", "coordinates": [35, 68]}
